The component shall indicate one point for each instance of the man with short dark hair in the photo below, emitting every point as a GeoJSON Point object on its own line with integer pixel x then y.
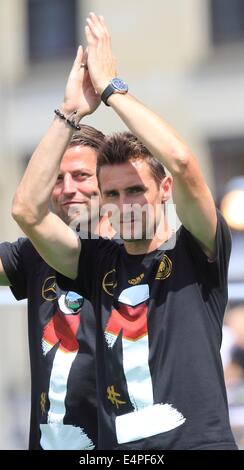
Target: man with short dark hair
{"type": "Point", "coordinates": [159, 311]}
{"type": "Point", "coordinates": [61, 324]}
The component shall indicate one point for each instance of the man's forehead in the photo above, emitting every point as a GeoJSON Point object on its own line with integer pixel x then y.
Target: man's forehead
{"type": "Point", "coordinates": [130, 173]}
{"type": "Point", "coordinates": [79, 157]}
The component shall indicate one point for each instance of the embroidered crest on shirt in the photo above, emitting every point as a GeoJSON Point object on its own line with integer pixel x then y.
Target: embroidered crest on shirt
{"type": "Point", "coordinates": [164, 269]}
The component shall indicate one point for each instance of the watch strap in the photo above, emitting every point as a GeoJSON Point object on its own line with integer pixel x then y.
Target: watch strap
{"type": "Point", "coordinates": [109, 90]}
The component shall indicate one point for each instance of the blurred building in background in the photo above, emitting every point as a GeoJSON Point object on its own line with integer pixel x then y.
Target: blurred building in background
{"type": "Point", "coordinates": [182, 58]}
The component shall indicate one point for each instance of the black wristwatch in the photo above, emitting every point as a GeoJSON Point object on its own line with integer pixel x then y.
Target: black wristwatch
{"type": "Point", "coordinates": [116, 85]}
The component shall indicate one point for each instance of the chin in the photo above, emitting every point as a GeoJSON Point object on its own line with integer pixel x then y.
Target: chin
{"type": "Point", "coordinates": [134, 238]}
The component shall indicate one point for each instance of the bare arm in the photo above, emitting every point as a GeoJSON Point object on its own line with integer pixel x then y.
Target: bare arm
{"type": "Point", "coordinates": [194, 202]}
{"type": "Point", "coordinates": [56, 242]}
{"type": "Point", "coordinates": [51, 237]}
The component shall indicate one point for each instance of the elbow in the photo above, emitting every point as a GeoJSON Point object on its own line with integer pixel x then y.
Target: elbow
{"type": "Point", "coordinates": [17, 211]}
{"type": "Point", "coordinates": [22, 213]}
{"type": "Point", "coordinates": [180, 162]}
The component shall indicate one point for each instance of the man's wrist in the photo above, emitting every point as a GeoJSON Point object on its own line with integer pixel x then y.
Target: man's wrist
{"type": "Point", "coordinates": [116, 85]}
{"type": "Point", "coordinates": [68, 111]}
{"type": "Point", "coordinates": [72, 119]}
{"type": "Point", "coordinates": [102, 86]}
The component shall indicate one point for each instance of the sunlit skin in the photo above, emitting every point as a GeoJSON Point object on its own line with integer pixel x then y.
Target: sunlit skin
{"type": "Point", "coordinates": [76, 183]}
{"type": "Point", "coordinates": [133, 183]}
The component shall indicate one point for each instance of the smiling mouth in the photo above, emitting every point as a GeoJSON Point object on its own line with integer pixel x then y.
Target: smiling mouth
{"type": "Point", "coordinates": [70, 203]}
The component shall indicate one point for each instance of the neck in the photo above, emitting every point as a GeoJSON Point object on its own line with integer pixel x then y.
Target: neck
{"type": "Point", "coordinates": [141, 247]}
{"type": "Point", "coordinates": [104, 228]}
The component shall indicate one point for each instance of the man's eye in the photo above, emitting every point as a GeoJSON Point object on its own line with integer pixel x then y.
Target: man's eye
{"type": "Point", "coordinates": [136, 190]}
{"type": "Point", "coordinates": [59, 179]}
{"type": "Point", "coordinates": [111, 194]}
{"type": "Point", "coordinates": [81, 175]}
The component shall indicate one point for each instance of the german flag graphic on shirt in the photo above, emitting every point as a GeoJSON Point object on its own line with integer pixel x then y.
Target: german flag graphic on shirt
{"type": "Point", "coordinates": [129, 316]}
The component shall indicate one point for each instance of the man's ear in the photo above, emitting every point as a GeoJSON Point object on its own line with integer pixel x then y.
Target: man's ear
{"type": "Point", "coordinates": [166, 187]}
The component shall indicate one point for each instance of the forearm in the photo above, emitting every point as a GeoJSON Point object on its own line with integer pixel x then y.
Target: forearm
{"type": "Point", "coordinates": [32, 196]}
{"type": "Point", "coordinates": [152, 131]}
{"type": "Point", "coordinates": [52, 238]}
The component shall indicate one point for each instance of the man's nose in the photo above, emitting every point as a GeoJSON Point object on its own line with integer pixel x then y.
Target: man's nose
{"type": "Point", "coordinates": [120, 203]}
{"type": "Point", "coordinates": [124, 201]}
{"type": "Point", "coordinates": [68, 185]}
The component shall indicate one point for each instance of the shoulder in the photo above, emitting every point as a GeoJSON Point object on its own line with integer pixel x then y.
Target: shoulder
{"type": "Point", "coordinates": [98, 246]}
{"type": "Point", "coordinates": [21, 250]}
{"type": "Point", "coordinates": [222, 236]}
{"type": "Point", "coordinates": [28, 251]}
{"type": "Point", "coordinates": [13, 248]}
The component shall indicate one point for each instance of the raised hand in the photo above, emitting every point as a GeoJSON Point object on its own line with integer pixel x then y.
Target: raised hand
{"type": "Point", "coordinates": [100, 60]}
{"type": "Point", "coordinates": [80, 94]}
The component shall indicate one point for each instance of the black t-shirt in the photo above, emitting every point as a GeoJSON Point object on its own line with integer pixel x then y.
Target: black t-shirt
{"type": "Point", "coordinates": [159, 331]}
{"type": "Point", "coordinates": [62, 348]}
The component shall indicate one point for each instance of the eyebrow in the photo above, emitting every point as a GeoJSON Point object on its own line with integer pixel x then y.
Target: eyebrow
{"type": "Point", "coordinates": [134, 186]}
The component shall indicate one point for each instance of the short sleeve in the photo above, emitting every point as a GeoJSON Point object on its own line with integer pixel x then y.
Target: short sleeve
{"type": "Point", "coordinates": [93, 255]}
{"type": "Point", "coordinates": [215, 271]}
{"type": "Point", "coordinates": [12, 257]}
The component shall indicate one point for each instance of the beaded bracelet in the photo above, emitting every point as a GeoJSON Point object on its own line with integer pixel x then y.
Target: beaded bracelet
{"type": "Point", "coordinates": [68, 119]}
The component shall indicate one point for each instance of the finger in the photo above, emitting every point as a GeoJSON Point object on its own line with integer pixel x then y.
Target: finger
{"type": "Point", "coordinates": [89, 34]}
{"type": "Point", "coordinates": [94, 30]}
{"type": "Point", "coordinates": [95, 25]}
{"type": "Point", "coordinates": [95, 19]}
{"type": "Point", "coordinates": [80, 53]}
{"type": "Point", "coordinates": [84, 60]}
{"type": "Point", "coordinates": [78, 63]}
{"type": "Point", "coordinates": [102, 22]}
{"type": "Point", "coordinates": [79, 57]}
{"type": "Point", "coordinates": [104, 27]}
{"type": "Point", "coordinates": [85, 56]}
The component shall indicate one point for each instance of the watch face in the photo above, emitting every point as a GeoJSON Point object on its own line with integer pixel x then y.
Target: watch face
{"type": "Point", "coordinates": [119, 85]}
